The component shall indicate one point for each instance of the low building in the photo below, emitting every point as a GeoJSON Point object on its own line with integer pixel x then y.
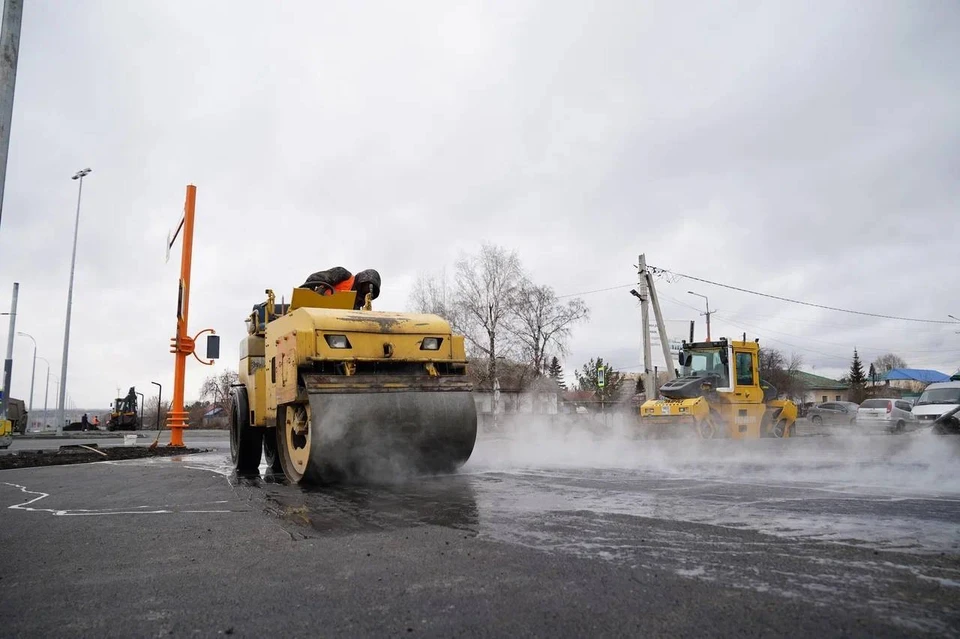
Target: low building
{"type": "Point", "coordinates": [817, 389]}
{"type": "Point", "coordinates": [912, 380]}
{"type": "Point", "coordinates": [216, 417]}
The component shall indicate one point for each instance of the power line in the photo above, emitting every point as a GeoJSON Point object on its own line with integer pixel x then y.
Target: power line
{"type": "Point", "coordinates": [655, 269]}
{"type": "Point", "coordinates": [739, 323]}
{"type": "Point", "coordinates": [888, 349]}
{"type": "Point", "coordinates": [599, 290]}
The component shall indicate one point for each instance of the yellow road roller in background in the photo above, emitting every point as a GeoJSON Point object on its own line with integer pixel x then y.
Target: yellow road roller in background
{"type": "Point", "coordinates": [718, 394]}
{"type": "Point", "coordinates": [6, 433]}
{"type": "Point", "coordinates": [332, 390]}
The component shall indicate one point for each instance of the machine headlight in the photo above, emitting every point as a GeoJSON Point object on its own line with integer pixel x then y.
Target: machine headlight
{"type": "Point", "coordinates": [337, 341]}
{"type": "Point", "coordinates": [430, 343]}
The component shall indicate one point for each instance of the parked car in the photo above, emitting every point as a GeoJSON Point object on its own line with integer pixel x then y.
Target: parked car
{"type": "Point", "coordinates": [894, 415]}
{"type": "Point", "coordinates": [833, 413]}
{"type": "Point", "coordinates": [936, 399]}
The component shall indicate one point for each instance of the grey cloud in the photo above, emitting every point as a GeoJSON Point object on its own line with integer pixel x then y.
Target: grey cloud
{"type": "Point", "coordinates": [803, 150]}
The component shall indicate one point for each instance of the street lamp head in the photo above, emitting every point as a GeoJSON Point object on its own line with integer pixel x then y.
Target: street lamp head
{"type": "Point", "coordinates": [81, 173]}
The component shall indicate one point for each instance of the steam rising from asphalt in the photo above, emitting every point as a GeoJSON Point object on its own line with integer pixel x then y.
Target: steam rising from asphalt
{"type": "Point", "coordinates": [915, 461]}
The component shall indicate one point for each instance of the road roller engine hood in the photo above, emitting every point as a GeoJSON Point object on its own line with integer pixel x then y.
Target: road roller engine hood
{"type": "Point", "coordinates": [690, 386]}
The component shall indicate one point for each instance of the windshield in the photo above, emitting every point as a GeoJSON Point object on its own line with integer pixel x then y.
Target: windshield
{"type": "Point", "coordinates": [706, 362]}
{"type": "Point", "coordinates": [874, 403]}
{"type": "Point", "coordinates": [940, 396]}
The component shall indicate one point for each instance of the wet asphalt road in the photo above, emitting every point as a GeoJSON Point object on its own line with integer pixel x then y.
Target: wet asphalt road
{"type": "Point", "coordinates": [539, 535]}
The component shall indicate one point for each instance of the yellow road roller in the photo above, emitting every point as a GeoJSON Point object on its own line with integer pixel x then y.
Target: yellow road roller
{"type": "Point", "coordinates": [331, 390]}
{"type": "Point", "coordinates": [719, 394]}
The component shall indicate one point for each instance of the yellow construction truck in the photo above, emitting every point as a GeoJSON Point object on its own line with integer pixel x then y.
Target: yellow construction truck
{"type": "Point", "coordinates": [330, 389]}
{"type": "Point", "coordinates": [6, 433]}
{"type": "Point", "coordinates": [719, 394]}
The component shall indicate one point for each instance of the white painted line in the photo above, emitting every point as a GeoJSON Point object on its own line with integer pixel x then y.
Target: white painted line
{"type": "Point", "coordinates": [83, 512]}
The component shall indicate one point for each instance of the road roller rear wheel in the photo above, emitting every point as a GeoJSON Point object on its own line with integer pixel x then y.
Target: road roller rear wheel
{"type": "Point", "coordinates": [246, 441]}
{"type": "Point", "coordinates": [294, 440]}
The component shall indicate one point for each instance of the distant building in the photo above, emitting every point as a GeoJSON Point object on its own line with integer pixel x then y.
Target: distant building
{"type": "Point", "coordinates": [216, 417]}
{"type": "Point", "coordinates": [817, 389]}
{"type": "Point", "coordinates": [912, 380]}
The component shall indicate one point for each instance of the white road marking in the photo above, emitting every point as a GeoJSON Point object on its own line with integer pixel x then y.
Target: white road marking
{"type": "Point", "coordinates": [84, 512]}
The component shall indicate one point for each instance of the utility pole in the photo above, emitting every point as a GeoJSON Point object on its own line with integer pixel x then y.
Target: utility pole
{"type": "Point", "coordinates": [708, 313]}
{"type": "Point", "coordinates": [9, 55]}
{"type": "Point", "coordinates": [8, 362]}
{"type": "Point", "coordinates": [644, 295]}
{"type": "Point", "coordinates": [661, 325]}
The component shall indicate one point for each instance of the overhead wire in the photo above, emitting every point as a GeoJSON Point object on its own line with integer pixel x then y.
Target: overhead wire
{"type": "Point", "coordinates": [655, 269]}
{"type": "Point", "coordinates": [738, 316]}
{"type": "Point", "coordinates": [739, 322]}
{"type": "Point", "coordinates": [599, 290]}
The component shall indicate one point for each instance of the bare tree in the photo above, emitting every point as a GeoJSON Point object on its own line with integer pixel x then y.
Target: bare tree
{"type": "Point", "coordinates": [780, 372]}
{"type": "Point", "coordinates": [216, 388]}
{"type": "Point", "coordinates": [435, 294]}
{"type": "Point", "coordinates": [150, 410]}
{"type": "Point", "coordinates": [886, 363]}
{"type": "Point", "coordinates": [488, 285]}
{"type": "Point", "coordinates": [541, 321]}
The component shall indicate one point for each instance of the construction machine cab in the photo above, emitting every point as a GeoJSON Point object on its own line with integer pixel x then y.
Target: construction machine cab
{"type": "Point", "coordinates": [720, 393]}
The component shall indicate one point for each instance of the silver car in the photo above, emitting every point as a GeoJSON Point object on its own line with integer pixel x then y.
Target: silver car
{"type": "Point", "coordinates": [833, 413]}
{"type": "Point", "coordinates": [891, 414]}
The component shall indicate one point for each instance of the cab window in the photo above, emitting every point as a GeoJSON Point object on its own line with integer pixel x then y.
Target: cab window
{"type": "Point", "coordinates": [744, 369]}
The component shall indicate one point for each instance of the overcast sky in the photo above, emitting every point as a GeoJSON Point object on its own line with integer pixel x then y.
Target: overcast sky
{"type": "Point", "coordinates": [810, 150]}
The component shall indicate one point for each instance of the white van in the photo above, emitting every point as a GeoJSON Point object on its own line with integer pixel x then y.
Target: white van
{"type": "Point", "coordinates": [936, 400]}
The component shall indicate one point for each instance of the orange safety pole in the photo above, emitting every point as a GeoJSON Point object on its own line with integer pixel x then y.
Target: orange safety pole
{"type": "Point", "coordinates": [183, 344]}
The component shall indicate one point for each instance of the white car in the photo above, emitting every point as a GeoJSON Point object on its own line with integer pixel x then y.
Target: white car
{"type": "Point", "coordinates": [891, 414]}
{"type": "Point", "coordinates": [936, 400]}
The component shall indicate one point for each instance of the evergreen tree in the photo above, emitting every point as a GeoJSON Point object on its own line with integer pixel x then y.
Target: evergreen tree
{"type": "Point", "coordinates": [555, 371]}
{"type": "Point", "coordinates": [587, 380]}
{"type": "Point", "coordinates": [858, 380]}
{"type": "Point", "coordinates": [857, 377]}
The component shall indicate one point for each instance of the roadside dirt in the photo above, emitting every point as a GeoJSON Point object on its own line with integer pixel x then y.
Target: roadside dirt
{"type": "Point", "coordinates": [84, 455]}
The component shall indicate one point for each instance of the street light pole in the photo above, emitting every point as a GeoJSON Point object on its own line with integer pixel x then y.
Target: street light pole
{"type": "Point", "coordinates": [79, 175]}
{"type": "Point", "coordinates": [46, 393]}
{"type": "Point", "coordinates": [9, 55]}
{"type": "Point", "coordinates": [159, 396]}
{"type": "Point", "coordinates": [142, 400]}
{"type": "Point", "coordinates": [708, 313]}
{"type": "Point", "coordinates": [33, 373]}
